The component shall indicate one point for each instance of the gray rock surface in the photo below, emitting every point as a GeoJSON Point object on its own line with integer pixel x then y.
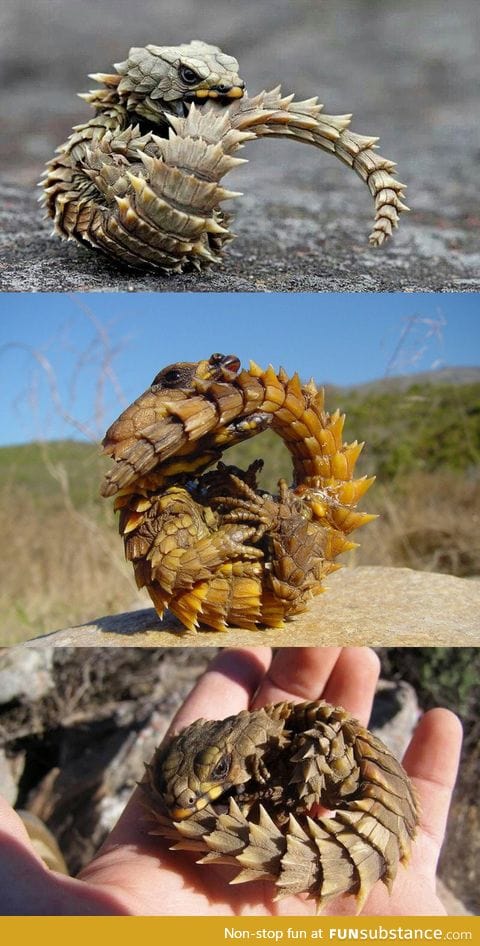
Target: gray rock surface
{"type": "Point", "coordinates": [408, 72]}
{"type": "Point", "coordinates": [10, 773]}
{"type": "Point", "coordinates": [369, 605]}
{"type": "Point", "coordinates": [395, 714]}
{"type": "Point", "coordinates": [108, 713]}
{"type": "Point", "coordinates": [20, 678]}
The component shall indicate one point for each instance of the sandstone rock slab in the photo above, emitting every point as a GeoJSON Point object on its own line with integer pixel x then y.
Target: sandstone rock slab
{"type": "Point", "coordinates": [370, 605]}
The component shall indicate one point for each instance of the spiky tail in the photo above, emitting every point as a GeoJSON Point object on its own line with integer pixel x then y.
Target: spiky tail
{"type": "Point", "coordinates": [271, 115]}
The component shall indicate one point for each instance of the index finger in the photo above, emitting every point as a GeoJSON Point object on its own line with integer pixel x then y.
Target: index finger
{"type": "Point", "coordinates": [227, 686]}
{"type": "Point", "coordinates": [342, 676]}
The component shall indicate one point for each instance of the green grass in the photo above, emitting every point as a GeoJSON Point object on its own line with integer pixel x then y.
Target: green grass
{"type": "Point", "coordinates": [424, 428]}
{"type": "Point", "coordinates": [446, 676]}
{"type": "Point", "coordinates": [54, 469]}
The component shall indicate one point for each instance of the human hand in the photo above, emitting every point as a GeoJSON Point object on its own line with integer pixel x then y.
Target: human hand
{"type": "Point", "coordinates": [135, 873]}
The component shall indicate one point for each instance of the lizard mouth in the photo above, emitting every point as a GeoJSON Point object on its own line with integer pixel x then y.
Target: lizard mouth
{"type": "Point", "coordinates": [229, 363]}
{"type": "Point", "coordinates": [211, 794]}
{"type": "Point", "coordinates": [219, 368]}
{"type": "Point", "coordinates": [179, 813]}
{"type": "Point", "coordinates": [220, 92]}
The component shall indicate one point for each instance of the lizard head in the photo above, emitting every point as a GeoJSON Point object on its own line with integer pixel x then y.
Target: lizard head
{"type": "Point", "coordinates": [199, 765]}
{"type": "Point", "coordinates": [184, 375]}
{"type": "Point", "coordinates": [152, 429]}
{"type": "Point", "coordinates": [213, 760]}
{"type": "Point", "coordinates": [155, 79]}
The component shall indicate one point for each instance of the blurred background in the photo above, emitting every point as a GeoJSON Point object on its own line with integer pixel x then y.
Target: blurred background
{"type": "Point", "coordinates": [408, 69]}
{"type": "Point", "coordinates": [409, 72]}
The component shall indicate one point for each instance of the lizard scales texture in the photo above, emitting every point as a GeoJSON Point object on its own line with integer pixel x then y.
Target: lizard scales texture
{"type": "Point", "coordinates": [141, 181]}
{"type": "Point", "coordinates": [212, 546]}
{"type": "Point", "coordinates": [246, 790]}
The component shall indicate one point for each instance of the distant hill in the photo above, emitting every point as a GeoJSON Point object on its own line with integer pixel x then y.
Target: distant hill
{"type": "Point", "coordinates": [441, 376]}
{"type": "Point", "coordinates": [424, 421]}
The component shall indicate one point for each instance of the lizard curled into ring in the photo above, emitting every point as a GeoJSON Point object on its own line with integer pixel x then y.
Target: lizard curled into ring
{"type": "Point", "coordinates": [141, 180]}
{"type": "Point", "coordinates": [212, 546]}
{"type": "Point", "coordinates": [245, 791]}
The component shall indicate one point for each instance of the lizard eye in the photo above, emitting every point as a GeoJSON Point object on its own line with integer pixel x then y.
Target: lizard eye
{"type": "Point", "coordinates": [169, 377]}
{"type": "Point", "coordinates": [222, 767]}
{"type": "Point", "coordinates": [172, 376]}
{"type": "Point", "coordinates": [188, 75]}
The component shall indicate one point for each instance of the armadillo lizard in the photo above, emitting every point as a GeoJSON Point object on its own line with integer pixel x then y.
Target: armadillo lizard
{"type": "Point", "coordinates": [211, 546]}
{"type": "Point", "coordinates": [141, 180]}
{"type": "Point", "coordinates": [243, 791]}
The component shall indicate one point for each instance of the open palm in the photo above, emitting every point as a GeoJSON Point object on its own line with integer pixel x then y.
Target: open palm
{"type": "Point", "coordinates": [136, 874]}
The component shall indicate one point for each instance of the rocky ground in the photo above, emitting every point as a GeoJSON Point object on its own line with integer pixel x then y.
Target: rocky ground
{"type": "Point", "coordinates": [408, 73]}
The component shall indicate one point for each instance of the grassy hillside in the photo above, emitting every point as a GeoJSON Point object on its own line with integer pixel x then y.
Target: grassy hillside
{"type": "Point", "coordinates": [65, 561]}
{"type": "Point", "coordinates": [51, 470]}
{"type": "Point", "coordinates": [425, 428]}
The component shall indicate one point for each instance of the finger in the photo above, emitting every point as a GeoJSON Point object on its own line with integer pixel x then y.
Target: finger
{"type": "Point", "coordinates": [431, 761]}
{"type": "Point", "coordinates": [28, 888]}
{"type": "Point", "coordinates": [227, 686]}
{"type": "Point", "coordinates": [296, 673]}
{"type": "Point", "coordinates": [353, 681]}
{"type": "Point", "coordinates": [13, 826]}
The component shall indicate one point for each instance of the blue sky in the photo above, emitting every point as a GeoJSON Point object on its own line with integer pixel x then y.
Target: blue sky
{"type": "Point", "coordinates": [70, 363]}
